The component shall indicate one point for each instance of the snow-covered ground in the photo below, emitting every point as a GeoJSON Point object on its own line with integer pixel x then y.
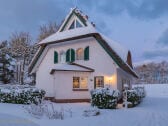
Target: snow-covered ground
{"type": "Point", "coordinates": [151, 112]}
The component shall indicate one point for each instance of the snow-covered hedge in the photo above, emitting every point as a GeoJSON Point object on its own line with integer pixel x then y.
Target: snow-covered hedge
{"type": "Point", "coordinates": [135, 95]}
{"type": "Point", "coordinates": [20, 94]}
{"type": "Point", "coordinates": [105, 98]}
{"type": "Point", "coordinates": [140, 90]}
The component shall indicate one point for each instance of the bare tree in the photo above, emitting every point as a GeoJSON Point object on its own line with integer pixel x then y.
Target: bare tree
{"type": "Point", "coordinates": [20, 47]}
{"type": "Point", "coordinates": [46, 30]}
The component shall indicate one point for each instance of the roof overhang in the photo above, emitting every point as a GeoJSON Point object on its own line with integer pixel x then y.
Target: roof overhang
{"type": "Point", "coordinates": [71, 67]}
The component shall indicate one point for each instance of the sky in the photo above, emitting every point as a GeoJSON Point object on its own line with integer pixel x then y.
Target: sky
{"type": "Point", "coordinates": [139, 25]}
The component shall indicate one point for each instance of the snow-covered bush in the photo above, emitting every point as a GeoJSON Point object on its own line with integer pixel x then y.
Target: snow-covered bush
{"type": "Point", "coordinates": [135, 95]}
{"type": "Point", "coordinates": [21, 94]}
{"type": "Point", "coordinates": [141, 91]}
{"type": "Point", "coordinates": [104, 98]}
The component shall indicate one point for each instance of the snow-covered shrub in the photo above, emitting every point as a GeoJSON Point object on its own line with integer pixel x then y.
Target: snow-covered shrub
{"type": "Point", "coordinates": [134, 96]}
{"type": "Point", "coordinates": [20, 94]}
{"type": "Point", "coordinates": [104, 98]}
{"type": "Point", "coordinates": [141, 91]}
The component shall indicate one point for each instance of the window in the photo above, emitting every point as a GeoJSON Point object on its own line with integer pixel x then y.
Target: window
{"type": "Point", "coordinates": [86, 53]}
{"type": "Point", "coordinates": [80, 82]}
{"type": "Point", "coordinates": [83, 82]}
{"type": "Point", "coordinates": [72, 25]}
{"type": "Point", "coordinates": [124, 81]}
{"type": "Point", "coordinates": [78, 25]}
{"type": "Point", "coordinates": [55, 57]}
{"type": "Point", "coordinates": [99, 81]}
{"type": "Point", "coordinates": [70, 55]}
{"type": "Point", "coordinates": [80, 54]}
{"type": "Point", "coordinates": [76, 81]}
{"type": "Point", "coordinates": [62, 57]}
{"type": "Point", "coordinates": [75, 24]}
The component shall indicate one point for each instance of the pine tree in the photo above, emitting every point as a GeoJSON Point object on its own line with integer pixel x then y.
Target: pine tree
{"type": "Point", "coordinates": [6, 64]}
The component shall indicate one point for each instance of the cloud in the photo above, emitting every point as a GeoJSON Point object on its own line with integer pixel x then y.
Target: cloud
{"type": "Point", "coordinates": [28, 15]}
{"type": "Point", "coordinates": [141, 9]}
{"type": "Point", "coordinates": [154, 53]}
{"type": "Point", "coordinates": [163, 40]}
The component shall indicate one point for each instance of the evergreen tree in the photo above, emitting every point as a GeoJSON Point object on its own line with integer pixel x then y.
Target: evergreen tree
{"type": "Point", "coordinates": [6, 64]}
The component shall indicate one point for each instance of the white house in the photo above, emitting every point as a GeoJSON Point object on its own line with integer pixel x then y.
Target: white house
{"type": "Point", "coordinates": [78, 58]}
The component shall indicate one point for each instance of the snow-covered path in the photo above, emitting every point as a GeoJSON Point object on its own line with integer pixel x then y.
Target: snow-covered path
{"type": "Point", "coordinates": [10, 120]}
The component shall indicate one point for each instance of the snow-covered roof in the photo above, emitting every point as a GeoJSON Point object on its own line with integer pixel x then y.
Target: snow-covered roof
{"type": "Point", "coordinates": [68, 34]}
{"type": "Point", "coordinates": [70, 67]}
{"type": "Point", "coordinates": [119, 49]}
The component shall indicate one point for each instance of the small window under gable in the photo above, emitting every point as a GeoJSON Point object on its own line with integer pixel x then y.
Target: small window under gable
{"type": "Point", "coordinates": [75, 24]}
{"type": "Point", "coordinates": [72, 25]}
{"type": "Point", "coordinates": [78, 25]}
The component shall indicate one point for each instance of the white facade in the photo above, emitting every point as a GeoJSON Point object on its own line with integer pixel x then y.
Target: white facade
{"type": "Point", "coordinates": [99, 61]}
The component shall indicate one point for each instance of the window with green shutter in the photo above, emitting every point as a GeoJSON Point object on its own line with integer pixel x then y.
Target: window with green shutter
{"type": "Point", "coordinates": [86, 53]}
{"type": "Point", "coordinates": [55, 57]}
{"type": "Point", "coordinates": [70, 55]}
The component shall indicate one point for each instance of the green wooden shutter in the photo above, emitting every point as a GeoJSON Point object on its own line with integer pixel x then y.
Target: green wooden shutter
{"type": "Point", "coordinates": [68, 55]}
{"type": "Point", "coordinates": [86, 53]}
{"type": "Point", "coordinates": [55, 57]}
{"type": "Point", "coordinates": [72, 55]}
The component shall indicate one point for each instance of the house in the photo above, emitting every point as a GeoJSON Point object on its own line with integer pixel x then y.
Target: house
{"type": "Point", "coordinates": [78, 58]}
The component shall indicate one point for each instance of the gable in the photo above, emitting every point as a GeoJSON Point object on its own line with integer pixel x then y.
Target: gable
{"type": "Point", "coordinates": [73, 18]}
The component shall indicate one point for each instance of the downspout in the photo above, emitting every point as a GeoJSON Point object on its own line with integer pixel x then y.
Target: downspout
{"type": "Point", "coordinates": [54, 86]}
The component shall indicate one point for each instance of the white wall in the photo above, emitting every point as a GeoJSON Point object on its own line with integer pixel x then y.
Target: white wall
{"type": "Point", "coordinates": [64, 85]}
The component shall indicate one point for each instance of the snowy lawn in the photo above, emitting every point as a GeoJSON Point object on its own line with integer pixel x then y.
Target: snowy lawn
{"type": "Point", "coordinates": [151, 112]}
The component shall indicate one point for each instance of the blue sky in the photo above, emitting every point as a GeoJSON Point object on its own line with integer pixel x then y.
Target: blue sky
{"type": "Point", "coordinates": [139, 25]}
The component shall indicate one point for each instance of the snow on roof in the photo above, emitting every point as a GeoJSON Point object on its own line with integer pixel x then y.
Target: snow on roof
{"type": "Point", "coordinates": [117, 47]}
{"type": "Point", "coordinates": [70, 67]}
{"type": "Point", "coordinates": [68, 34]}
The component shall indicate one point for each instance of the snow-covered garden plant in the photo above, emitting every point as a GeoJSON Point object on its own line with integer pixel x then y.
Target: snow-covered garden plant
{"type": "Point", "coordinates": [21, 94]}
{"type": "Point", "coordinates": [135, 95]}
{"type": "Point", "coordinates": [141, 91]}
{"type": "Point", "coordinates": [104, 98]}
{"type": "Point", "coordinates": [48, 110]}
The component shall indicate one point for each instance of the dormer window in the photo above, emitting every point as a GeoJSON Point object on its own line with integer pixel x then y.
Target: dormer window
{"type": "Point", "coordinates": [75, 24]}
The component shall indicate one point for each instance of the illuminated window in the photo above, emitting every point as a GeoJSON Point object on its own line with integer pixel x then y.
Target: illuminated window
{"type": "Point", "coordinates": [83, 82]}
{"type": "Point", "coordinates": [99, 81]}
{"type": "Point", "coordinates": [80, 82]}
{"type": "Point", "coordinates": [76, 81]}
{"type": "Point", "coordinates": [80, 54]}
